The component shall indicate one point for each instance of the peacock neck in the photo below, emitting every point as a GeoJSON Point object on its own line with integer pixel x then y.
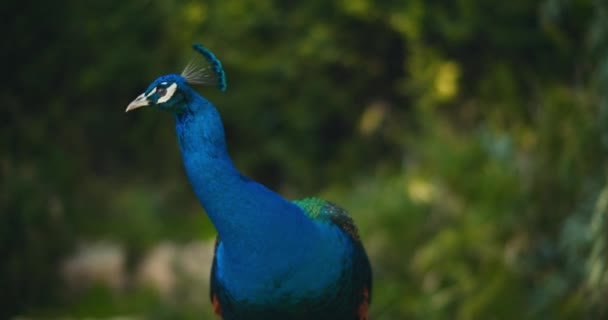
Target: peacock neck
{"type": "Point", "coordinates": [248, 216]}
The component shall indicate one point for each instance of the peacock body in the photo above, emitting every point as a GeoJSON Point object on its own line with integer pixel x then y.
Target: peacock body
{"type": "Point", "coordinates": [274, 258]}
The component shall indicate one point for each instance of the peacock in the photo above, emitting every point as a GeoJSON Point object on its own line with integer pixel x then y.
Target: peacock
{"type": "Point", "coordinates": [274, 258]}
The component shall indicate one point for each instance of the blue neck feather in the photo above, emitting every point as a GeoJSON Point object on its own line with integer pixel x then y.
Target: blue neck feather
{"type": "Point", "coordinates": [263, 235]}
{"type": "Point", "coordinates": [233, 202]}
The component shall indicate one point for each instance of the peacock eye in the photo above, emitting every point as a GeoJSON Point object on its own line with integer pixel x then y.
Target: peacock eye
{"type": "Point", "coordinates": [161, 91]}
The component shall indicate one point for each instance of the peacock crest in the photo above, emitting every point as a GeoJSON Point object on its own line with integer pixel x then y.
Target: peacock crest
{"type": "Point", "coordinates": [205, 69]}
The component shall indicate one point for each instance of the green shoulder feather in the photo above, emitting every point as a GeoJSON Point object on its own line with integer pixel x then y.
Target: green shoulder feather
{"type": "Point", "coordinates": [319, 209]}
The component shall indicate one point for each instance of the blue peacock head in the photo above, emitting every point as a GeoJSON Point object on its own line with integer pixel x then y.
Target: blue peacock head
{"type": "Point", "coordinates": [170, 92]}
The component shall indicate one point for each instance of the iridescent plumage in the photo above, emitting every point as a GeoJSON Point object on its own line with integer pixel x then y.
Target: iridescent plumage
{"type": "Point", "coordinates": [274, 258]}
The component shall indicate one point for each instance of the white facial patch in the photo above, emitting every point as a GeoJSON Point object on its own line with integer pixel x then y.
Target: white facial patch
{"type": "Point", "coordinates": [170, 91]}
{"type": "Point", "coordinates": [150, 93]}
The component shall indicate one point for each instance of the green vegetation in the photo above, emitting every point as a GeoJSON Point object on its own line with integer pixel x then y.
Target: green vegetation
{"type": "Point", "coordinates": [469, 139]}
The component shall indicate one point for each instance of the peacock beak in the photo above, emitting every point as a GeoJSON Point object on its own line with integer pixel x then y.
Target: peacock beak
{"type": "Point", "coordinates": [140, 101]}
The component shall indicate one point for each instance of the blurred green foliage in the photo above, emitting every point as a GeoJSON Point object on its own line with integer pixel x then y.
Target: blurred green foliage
{"type": "Point", "coordinates": [467, 138]}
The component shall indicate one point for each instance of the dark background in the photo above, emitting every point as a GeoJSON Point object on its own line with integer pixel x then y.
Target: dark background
{"type": "Point", "coordinates": [467, 138]}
